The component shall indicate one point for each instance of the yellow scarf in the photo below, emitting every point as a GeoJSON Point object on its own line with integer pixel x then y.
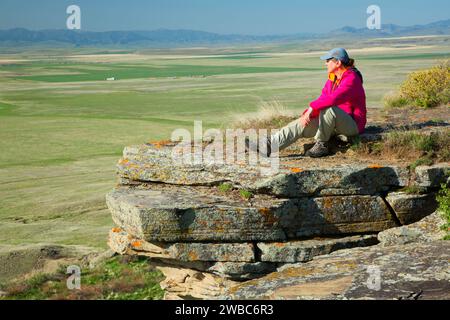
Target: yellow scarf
{"type": "Point", "coordinates": [333, 78]}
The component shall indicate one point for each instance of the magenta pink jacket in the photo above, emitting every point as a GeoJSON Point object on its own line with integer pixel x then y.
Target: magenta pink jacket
{"type": "Point", "coordinates": [348, 95]}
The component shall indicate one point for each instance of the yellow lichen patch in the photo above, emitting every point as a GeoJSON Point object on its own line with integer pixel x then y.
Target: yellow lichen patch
{"type": "Point", "coordinates": [308, 270]}
{"type": "Point", "coordinates": [219, 229]}
{"type": "Point", "coordinates": [193, 256]}
{"type": "Point", "coordinates": [245, 284]}
{"type": "Point", "coordinates": [324, 288]}
{"type": "Point", "coordinates": [269, 218]}
{"type": "Point", "coordinates": [296, 170]}
{"type": "Point", "coordinates": [124, 161]}
{"type": "Point", "coordinates": [328, 202]}
{"type": "Point", "coordinates": [225, 257]}
{"type": "Point", "coordinates": [298, 272]}
{"type": "Point", "coordinates": [345, 265]}
{"type": "Point", "coordinates": [293, 272]}
{"type": "Point", "coordinates": [374, 166]}
{"type": "Point", "coordinates": [116, 230]}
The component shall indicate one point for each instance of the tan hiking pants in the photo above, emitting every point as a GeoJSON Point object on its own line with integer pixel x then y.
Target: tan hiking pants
{"type": "Point", "coordinates": [331, 121]}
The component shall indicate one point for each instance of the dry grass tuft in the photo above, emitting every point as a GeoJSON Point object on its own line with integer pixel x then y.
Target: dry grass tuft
{"type": "Point", "coordinates": [422, 148]}
{"type": "Point", "coordinates": [270, 115]}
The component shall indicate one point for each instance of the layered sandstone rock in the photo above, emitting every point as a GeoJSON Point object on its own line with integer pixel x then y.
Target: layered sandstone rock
{"type": "Point", "coordinates": [410, 208]}
{"type": "Point", "coordinates": [189, 214]}
{"type": "Point", "coordinates": [396, 272]}
{"type": "Point", "coordinates": [206, 237]}
{"type": "Point", "coordinates": [426, 230]}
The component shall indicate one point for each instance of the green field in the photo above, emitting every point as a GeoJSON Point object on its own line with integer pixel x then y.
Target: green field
{"type": "Point", "coordinates": [63, 126]}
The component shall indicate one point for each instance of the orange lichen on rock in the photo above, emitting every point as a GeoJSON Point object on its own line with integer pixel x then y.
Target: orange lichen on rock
{"type": "Point", "coordinates": [296, 170]}
{"type": "Point", "coordinates": [136, 244]}
{"type": "Point", "coordinates": [193, 256]}
{"type": "Point", "coordinates": [269, 218]}
{"type": "Point", "coordinates": [225, 257]}
{"type": "Point", "coordinates": [328, 203]}
{"type": "Point", "coordinates": [161, 143]}
{"type": "Point", "coordinates": [374, 166]}
{"type": "Point", "coordinates": [123, 161]}
{"type": "Point", "coordinates": [116, 230]}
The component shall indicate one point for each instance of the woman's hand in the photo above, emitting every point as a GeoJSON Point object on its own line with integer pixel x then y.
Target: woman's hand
{"type": "Point", "coordinates": [305, 119]}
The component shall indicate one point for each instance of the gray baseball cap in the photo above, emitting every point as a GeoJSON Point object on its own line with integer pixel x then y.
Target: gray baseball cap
{"type": "Point", "coordinates": [337, 53]}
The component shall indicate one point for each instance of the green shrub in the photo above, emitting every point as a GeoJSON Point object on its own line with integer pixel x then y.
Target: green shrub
{"type": "Point", "coordinates": [428, 88]}
{"type": "Point", "coordinates": [425, 88]}
{"type": "Point", "coordinates": [443, 199]}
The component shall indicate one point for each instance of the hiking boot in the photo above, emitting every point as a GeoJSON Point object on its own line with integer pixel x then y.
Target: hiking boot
{"type": "Point", "coordinates": [254, 147]}
{"type": "Point", "coordinates": [320, 149]}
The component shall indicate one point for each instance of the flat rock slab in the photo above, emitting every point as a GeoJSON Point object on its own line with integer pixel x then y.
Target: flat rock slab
{"type": "Point", "coordinates": [150, 163]}
{"type": "Point", "coordinates": [432, 176]}
{"type": "Point", "coordinates": [426, 230]}
{"type": "Point", "coordinates": [306, 250]}
{"type": "Point", "coordinates": [280, 252]}
{"type": "Point", "coordinates": [418, 271]}
{"type": "Point", "coordinates": [122, 243]}
{"type": "Point", "coordinates": [339, 180]}
{"type": "Point", "coordinates": [411, 208]}
{"type": "Point", "coordinates": [237, 271]}
{"type": "Point", "coordinates": [185, 214]}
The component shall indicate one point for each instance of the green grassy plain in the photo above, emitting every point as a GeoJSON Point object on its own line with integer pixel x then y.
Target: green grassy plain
{"type": "Point", "coordinates": [63, 126]}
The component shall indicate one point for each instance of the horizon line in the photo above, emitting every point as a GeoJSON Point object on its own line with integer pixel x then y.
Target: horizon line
{"type": "Point", "coordinates": [222, 34]}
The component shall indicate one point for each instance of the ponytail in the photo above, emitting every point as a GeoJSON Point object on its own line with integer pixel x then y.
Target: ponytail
{"type": "Point", "coordinates": [350, 63]}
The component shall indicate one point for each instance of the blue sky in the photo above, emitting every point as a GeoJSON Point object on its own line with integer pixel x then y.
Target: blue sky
{"type": "Point", "coordinates": [254, 17]}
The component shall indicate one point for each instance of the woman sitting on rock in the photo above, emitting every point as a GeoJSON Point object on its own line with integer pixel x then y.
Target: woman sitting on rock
{"type": "Point", "coordinates": [340, 109]}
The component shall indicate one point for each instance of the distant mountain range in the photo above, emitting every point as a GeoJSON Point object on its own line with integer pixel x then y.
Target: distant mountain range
{"type": "Point", "coordinates": [164, 37]}
{"type": "Point", "coordinates": [392, 30]}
